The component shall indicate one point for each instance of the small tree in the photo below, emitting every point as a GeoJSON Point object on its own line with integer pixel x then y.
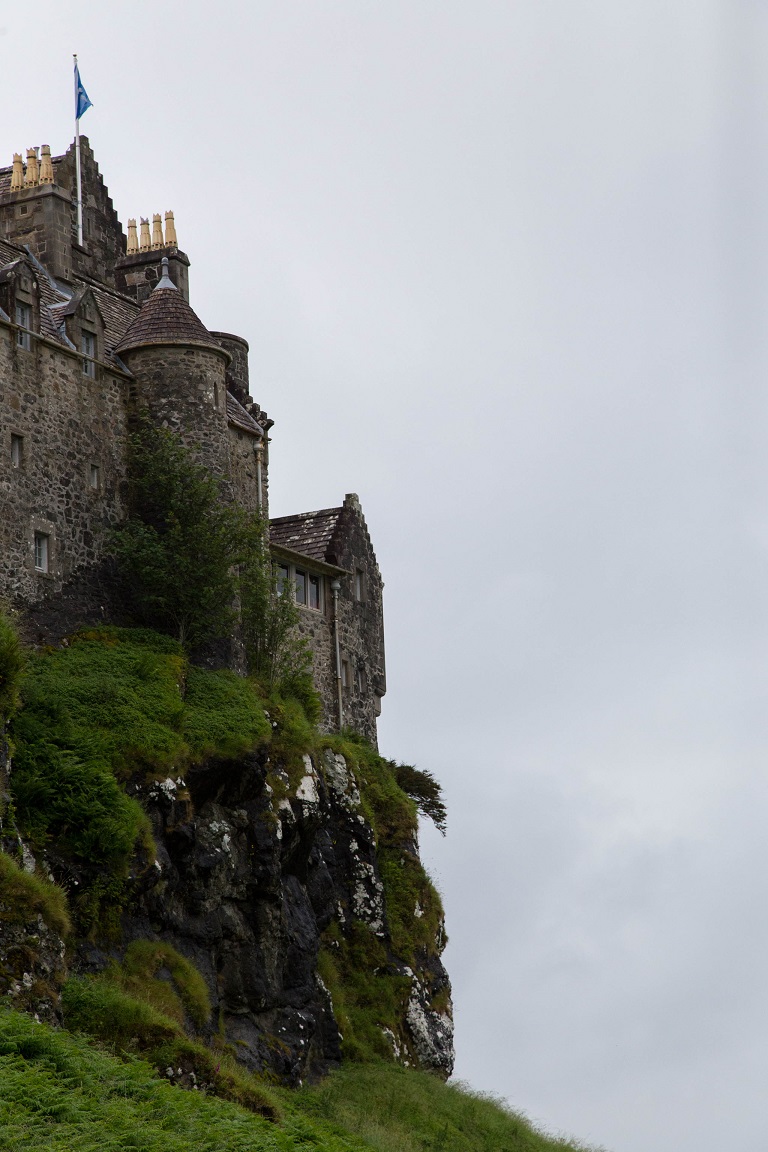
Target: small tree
{"type": "Point", "coordinates": [177, 552]}
{"type": "Point", "coordinates": [277, 653]}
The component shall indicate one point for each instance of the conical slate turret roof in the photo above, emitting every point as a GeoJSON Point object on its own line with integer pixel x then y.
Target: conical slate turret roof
{"type": "Point", "coordinates": [166, 318]}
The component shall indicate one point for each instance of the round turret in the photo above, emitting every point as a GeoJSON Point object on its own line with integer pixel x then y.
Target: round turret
{"type": "Point", "coordinates": [180, 373]}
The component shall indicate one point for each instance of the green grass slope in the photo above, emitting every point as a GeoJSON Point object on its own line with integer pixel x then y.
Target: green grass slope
{"type": "Point", "coordinates": [59, 1093]}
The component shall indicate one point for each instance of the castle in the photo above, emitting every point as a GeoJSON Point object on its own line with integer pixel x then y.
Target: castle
{"type": "Point", "coordinates": [91, 333]}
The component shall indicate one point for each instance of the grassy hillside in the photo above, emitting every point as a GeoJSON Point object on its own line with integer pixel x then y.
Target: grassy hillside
{"type": "Point", "coordinates": [59, 1093]}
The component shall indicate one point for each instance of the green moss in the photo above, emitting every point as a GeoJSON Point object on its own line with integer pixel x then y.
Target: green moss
{"type": "Point", "coordinates": [368, 995]}
{"type": "Point", "coordinates": [100, 1009]}
{"type": "Point", "coordinates": [116, 705]}
{"type": "Point", "coordinates": [414, 908]}
{"type": "Point", "coordinates": [185, 990]}
{"type": "Point", "coordinates": [223, 716]}
{"type": "Point", "coordinates": [24, 896]}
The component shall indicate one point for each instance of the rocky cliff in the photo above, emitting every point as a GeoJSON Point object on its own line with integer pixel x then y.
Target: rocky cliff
{"type": "Point", "coordinates": [286, 872]}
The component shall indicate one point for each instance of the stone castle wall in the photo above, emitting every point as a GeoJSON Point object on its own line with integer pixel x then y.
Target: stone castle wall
{"type": "Point", "coordinates": [64, 431]}
{"type": "Point", "coordinates": [69, 423]}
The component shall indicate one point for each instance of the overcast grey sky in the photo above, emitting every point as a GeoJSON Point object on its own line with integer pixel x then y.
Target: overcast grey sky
{"type": "Point", "coordinates": [504, 272]}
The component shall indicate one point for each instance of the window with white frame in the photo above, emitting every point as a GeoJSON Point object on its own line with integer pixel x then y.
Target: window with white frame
{"type": "Point", "coordinates": [42, 551]}
{"type": "Point", "coordinates": [88, 349]}
{"type": "Point", "coordinates": [308, 586]}
{"type": "Point", "coordinates": [24, 321]}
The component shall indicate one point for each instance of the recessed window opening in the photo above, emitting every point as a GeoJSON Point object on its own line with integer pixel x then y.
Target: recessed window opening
{"type": "Point", "coordinates": [24, 321]}
{"type": "Point", "coordinates": [282, 575]}
{"type": "Point", "coordinates": [88, 349]}
{"type": "Point", "coordinates": [346, 679]}
{"type": "Point", "coordinates": [93, 476]}
{"type": "Point", "coordinates": [300, 579]}
{"type": "Point", "coordinates": [314, 592]}
{"type": "Point", "coordinates": [361, 680]}
{"type": "Point", "coordinates": [17, 451]}
{"type": "Point", "coordinates": [358, 584]}
{"type": "Point", "coordinates": [41, 552]}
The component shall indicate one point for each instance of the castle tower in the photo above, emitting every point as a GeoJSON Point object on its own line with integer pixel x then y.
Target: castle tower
{"type": "Point", "coordinates": [180, 373]}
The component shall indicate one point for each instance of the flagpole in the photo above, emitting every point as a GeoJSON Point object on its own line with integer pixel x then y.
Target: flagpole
{"type": "Point", "coordinates": [77, 165]}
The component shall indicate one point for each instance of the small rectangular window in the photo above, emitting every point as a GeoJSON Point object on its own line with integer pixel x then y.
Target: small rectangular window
{"type": "Point", "coordinates": [301, 586]}
{"type": "Point", "coordinates": [93, 476]}
{"type": "Point", "coordinates": [358, 584]}
{"type": "Point", "coordinates": [314, 591]}
{"type": "Point", "coordinates": [17, 451]}
{"type": "Point", "coordinates": [88, 349]}
{"type": "Point", "coordinates": [41, 552]}
{"type": "Point", "coordinates": [24, 320]}
{"type": "Point", "coordinates": [361, 680]}
{"type": "Point", "coordinates": [346, 679]}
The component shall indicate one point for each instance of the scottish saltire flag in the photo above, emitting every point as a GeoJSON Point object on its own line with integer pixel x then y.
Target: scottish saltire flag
{"type": "Point", "coordinates": [82, 103]}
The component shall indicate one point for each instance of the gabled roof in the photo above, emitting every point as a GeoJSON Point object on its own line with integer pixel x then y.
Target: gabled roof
{"type": "Point", "coordinates": [309, 533]}
{"type": "Point", "coordinates": [166, 318]}
{"type": "Point", "coordinates": [58, 301]}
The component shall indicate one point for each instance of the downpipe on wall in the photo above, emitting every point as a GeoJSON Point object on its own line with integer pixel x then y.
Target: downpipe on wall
{"type": "Point", "coordinates": [336, 588]}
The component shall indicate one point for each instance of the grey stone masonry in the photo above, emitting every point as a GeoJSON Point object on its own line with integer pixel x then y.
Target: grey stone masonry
{"type": "Point", "coordinates": [89, 336]}
{"type": "Point", "coordinates": [334, 547]}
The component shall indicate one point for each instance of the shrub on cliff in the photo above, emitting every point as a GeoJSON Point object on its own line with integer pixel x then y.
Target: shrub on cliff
{"type": "Point", "coordinates": [11, 667]}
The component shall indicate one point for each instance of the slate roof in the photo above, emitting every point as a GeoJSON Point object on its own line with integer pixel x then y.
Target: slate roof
{"type": "Point", "coordinates": [166, 318]}
{"type": "Point", "coordinates": [310, 533]}
{"type": "Point", "coordinates": [58, 301]}
{"type": "Point", "coordinates": [241, 418]}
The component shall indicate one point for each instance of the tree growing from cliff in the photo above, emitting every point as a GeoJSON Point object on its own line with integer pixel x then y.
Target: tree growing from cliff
{"type": "Point", "coordinates": [422, 787]}
{"type": "Point", "coordinates": [188, 559]}
{"type": "Point", "coordinates": [177, 552]}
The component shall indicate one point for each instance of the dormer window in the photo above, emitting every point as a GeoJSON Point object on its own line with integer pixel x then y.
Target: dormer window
{"type": "Point", "coordinates": [24, 321]}
{"type": "Point", "coordinates": [88, 349]}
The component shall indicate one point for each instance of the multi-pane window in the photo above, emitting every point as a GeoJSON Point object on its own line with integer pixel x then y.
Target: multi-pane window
{"type": "Point", "coordinates": [17, 451]}
{"type": "Point", "coordinates": [88, 349]}
{"type": "Point", "coordinates": [307, 587]}
{"type": "Point", "coordinates": [24, 321]}
{"type": "Point", "coordinates": [41, 551]}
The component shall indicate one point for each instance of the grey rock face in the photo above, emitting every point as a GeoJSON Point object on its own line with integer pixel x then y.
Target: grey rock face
{"type": "Point", "coordinates": [244, 884]}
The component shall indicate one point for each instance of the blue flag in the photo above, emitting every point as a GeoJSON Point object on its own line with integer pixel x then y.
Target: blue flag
{"type": "Point", "coordinates": [82, 103]}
